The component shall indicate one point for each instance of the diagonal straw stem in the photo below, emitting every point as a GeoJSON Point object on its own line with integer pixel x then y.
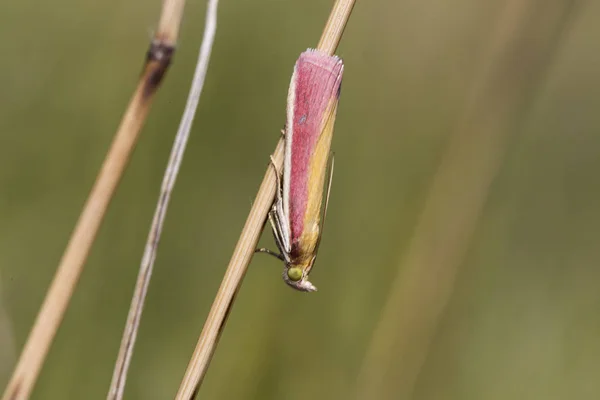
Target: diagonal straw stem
{"type": "Point", "coordinates": [71, 265]}
{"type": "Point", "coordinates": [215, 322]}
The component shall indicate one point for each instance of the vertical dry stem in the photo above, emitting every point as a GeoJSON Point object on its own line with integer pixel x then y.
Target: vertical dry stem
{"type": "Point", "coordinates": [215, 322]}
{"type": "Point", "coordinates": [458, 192]}
{"type": "Point", "coordinates": [70, 267]}
{"type": "Point", "coordinates": [121, 369]}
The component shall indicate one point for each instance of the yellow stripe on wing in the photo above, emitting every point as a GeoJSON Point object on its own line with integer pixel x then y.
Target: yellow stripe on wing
{"type": "Point", "coordinates": [316, 182]}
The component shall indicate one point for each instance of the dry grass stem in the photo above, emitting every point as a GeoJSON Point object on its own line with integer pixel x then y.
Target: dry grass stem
{"type": "Point", "coordinates": [244, 250]}
{"type": "Point", "coordinates": [458, 193]}
{"type": "Point", "coordinates": [7, 339]}
{"type": "Point", "coordinates": [69, 269]}
{"type": "Point", "coordinates": [234, 274]}
{"type": "Point", "coordinates": [334, 28]}
{"type": "Point", "coordinates": [117, 386]}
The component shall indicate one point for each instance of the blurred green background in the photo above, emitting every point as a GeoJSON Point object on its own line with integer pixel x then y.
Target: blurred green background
{"type": "Point", "coordinates": [519, 313]}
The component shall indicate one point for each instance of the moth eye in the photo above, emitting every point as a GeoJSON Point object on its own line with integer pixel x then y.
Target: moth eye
{"type": "Point", "coordinates": [295, 274]}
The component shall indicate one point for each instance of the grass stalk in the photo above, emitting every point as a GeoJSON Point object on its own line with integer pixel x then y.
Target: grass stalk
{"type": "Point", "coordinates": [7, 339]}
{"type": "Point", "coordinates": [121, 369]}
{"type": "Point", "coordinates": [244, 250]}
{"type": "Point", "coordinates": [71, 264]}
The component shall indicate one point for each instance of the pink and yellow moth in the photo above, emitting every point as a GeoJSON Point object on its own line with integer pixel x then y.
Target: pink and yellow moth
{"type": "Point", "coordinates": [297, 214]}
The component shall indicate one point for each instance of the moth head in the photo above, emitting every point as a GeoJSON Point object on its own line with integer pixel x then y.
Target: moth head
{"type": "Point", "coordinates": [297, 277]}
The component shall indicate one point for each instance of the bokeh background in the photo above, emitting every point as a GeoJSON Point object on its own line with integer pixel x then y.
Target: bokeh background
{"type": "Point", "coordinates": [462, 248]}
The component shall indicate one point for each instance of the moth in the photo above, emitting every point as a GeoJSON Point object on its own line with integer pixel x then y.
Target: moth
{"type": "Point", "coordinates": [297, 213]}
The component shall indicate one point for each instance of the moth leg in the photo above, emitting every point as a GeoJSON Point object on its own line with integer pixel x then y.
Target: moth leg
{"type": "Point", "coordinates": [278, 212]}
{"type": "Point", "coordinates": [276, 226]}
{"type": "Point", "coordinates": [277, 173]}
{"type": "Point", "coordinates": [279, 230]}
{"type": "Point", "coordinates": [277, 220]}
{"type": "Point", "coordinates": [277, 216]}
{"type": "Point", "coordinates": [270, 252]}
{"type": "Point", "coordinates": [279, 193]}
